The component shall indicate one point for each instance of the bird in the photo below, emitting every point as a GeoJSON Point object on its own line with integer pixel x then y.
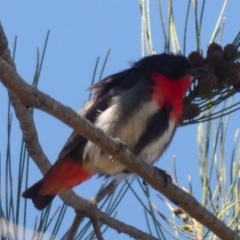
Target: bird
{"type": "Point", "coordinates": [141, 106]}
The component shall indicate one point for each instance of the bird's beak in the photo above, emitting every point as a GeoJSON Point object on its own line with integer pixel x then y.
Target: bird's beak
{"type": "Point", "coordinates": [197, 72]}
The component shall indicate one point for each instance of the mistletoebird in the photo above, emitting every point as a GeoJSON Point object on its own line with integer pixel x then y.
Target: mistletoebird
{"type": "Point", "coordinates": [141, 106]}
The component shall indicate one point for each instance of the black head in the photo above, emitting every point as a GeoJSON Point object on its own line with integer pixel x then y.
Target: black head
{"type": "Point", "coordinates": [170, 65]}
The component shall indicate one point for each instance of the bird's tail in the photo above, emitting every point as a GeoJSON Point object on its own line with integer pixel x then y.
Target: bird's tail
{"type": "Point", "coordinates": [39, 201]}
{"type": "Point", "coordinates": [63, 176]}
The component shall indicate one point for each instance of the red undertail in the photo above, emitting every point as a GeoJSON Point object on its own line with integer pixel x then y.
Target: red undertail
{"type": "Point", "coordinates": [63, 176]}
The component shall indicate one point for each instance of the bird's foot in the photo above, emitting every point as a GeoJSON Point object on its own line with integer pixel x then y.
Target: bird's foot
{"type": "Point", "coordinates": [122, 147]}
{"type": "Point", "coordinates": [166, 177]}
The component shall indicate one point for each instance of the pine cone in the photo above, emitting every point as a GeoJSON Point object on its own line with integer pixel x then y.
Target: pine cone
{"type": "Point", "coordinates": [196, 59]}
{"type": "Point", "coordinates": [190, 111]}
{"type": "Point", "coordinates": [206, 84]}
{"type": "Point", "coordinates": [214, 54]}
{"type": "Point", "coordinates": [228, 74]}
{"type": "Point", "coordinates": [230, 52]}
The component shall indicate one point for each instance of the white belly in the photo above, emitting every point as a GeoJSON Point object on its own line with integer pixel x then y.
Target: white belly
{"type": "Point", "coordinates": [154, 150]}
{"type": "Point", "coordinates": [97, 160]}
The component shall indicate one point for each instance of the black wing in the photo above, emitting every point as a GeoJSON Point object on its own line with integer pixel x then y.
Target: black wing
{"type": "Point", "coordinates": [105, 90]}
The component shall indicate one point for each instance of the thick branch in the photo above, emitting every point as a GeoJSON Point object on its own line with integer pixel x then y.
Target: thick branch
{"type": "Point", "coordinates": [33, 97]}
{"type": "Point", "coordinates": [24, 115]}
{"type": "Point", "coordinates": [30, 135]}
{"type": "Point", "coordinates": [35, 151]}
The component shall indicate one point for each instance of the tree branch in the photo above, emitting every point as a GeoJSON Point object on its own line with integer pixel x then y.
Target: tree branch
{"type": "Point", "coordinates": [91, 211]}
{"type": "Point", "coordinates": [103, 192]}
{"type": "Point", "coordinates": [36, 153]}
{"type": "Point", "coordinates": [24, 115]}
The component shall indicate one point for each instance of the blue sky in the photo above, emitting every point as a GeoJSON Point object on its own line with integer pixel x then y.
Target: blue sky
{"type": "Point", "coordinates": [81, 31]}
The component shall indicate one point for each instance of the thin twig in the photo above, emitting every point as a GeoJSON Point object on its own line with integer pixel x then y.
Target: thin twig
{"type": "Point", "coordinates": [97, 229]}
{"type": "Point", "coordinates": [107, 190]}
{"type": "Point", "coordinates": [110, 188]}
{"type": "Point", "coordinates": [75, 225]}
